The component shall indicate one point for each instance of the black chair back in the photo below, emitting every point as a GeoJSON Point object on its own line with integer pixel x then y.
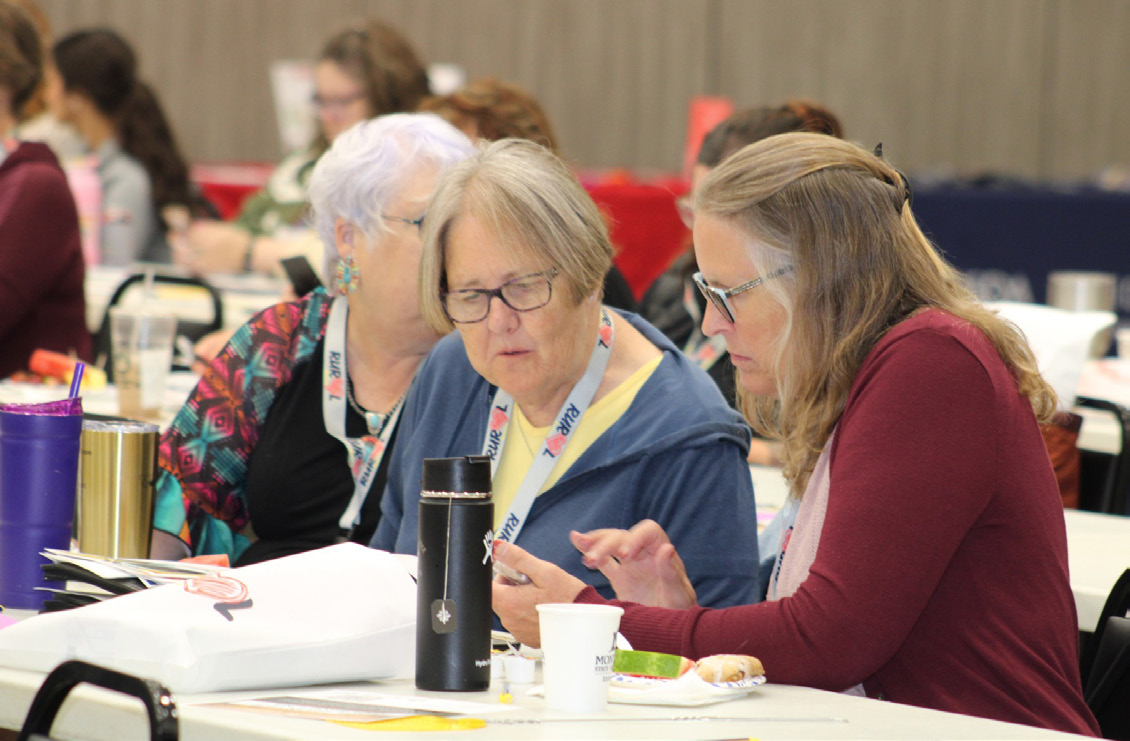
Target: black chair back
{"type": "Point", "coordinates": [1117, 605]}
{"type": "Point", "coordinates": [1108, 688]}
{"type": "Point", "coordinates": [1104, 479]}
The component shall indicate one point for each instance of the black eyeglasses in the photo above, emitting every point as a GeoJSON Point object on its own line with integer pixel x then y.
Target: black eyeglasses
{"type": "Point", "coordinates": [418, 223]}
{"type": "Point", "coordinates": [721, 299]}
{"type": "Point", "coordinates": [524, 293]}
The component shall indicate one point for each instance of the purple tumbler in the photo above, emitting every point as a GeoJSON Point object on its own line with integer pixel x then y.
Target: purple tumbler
{"type": "Point", "coordinates": [39, 452]}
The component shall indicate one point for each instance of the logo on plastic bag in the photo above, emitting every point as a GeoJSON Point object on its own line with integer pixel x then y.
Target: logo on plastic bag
{"type": "Point", "coordinates": [230, 593]}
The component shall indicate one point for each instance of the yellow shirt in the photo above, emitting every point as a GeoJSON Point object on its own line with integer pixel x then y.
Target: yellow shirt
{"type": "Point", "coordinates": [523, 440]}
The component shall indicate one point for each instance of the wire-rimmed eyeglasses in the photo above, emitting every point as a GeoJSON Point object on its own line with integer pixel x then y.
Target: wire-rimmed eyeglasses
{"type": "Point", "coordinates": [524, 293]}
{"type": "Point", "coordinates": [721, 298]}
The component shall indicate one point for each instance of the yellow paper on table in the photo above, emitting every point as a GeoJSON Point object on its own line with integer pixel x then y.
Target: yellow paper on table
{"type": "Point", "coordinates": [417, 723]}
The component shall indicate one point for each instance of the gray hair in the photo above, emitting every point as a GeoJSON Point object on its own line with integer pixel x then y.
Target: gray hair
{"type": "Point", "coordinates": [366, 167]}
{"type": "Point", "coordinates": [533, 203]}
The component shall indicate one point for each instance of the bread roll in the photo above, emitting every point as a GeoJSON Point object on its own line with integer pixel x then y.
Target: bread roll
{"type": "Point", "coordinates": [728, 668]}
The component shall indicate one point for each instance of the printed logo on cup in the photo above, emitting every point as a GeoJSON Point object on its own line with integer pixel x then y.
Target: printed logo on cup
{"type": "Point", "coordinates": [603, 665]}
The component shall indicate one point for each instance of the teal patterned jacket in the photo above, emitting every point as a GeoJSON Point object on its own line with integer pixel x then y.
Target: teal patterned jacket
{"type": "Point", "coordinates": [202, 460]}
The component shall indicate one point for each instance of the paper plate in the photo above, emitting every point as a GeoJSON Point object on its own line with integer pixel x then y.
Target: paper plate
{"type": "Point", "coordinates": [689, 689]}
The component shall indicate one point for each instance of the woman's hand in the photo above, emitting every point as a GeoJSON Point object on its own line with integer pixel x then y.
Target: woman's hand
{"type": "Point", "coordinates": [641, 564]}
{"type": "Point", "coordinates": [515, 605]}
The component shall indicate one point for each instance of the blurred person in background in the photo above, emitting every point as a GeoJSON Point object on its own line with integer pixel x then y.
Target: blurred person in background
{"type": "Point", "coordinates": [591, 417]}
{"type": "Point", "coordinates": [363, 71]}
{"type": "Point", "coordinates": [41, 265]}
{"type": "Point", "coordinates": [672, 303]}
{"type": "Point", "coordinates": [284, 444]}
{"type": "Point", "coordinates": [491, 109]}
{"type": "Point", "coordinates": [122, 123]}
{"type": "Point", "coordinates": [38, 122]}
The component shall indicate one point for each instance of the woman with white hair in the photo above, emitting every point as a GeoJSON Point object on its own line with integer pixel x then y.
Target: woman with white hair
{"type": "Point", "coordinates": [280, 445]}
{"type": "Point", "coordinates": [591, 417]}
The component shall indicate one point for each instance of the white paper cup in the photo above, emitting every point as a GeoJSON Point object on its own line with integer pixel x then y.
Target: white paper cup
{"type": "Point", "coordinates": [519, 669]}
{"type": "Point", "coordinates": [578, 643]}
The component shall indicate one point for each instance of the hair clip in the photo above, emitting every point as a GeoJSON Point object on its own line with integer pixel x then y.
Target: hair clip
{"type": "Point", "coordinates": [907, 193]}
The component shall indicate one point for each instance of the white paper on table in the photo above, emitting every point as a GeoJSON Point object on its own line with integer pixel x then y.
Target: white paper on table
{"type": "Point", "coordinates": [153, 571]}
{"type": "Point", "coordinates": [1108, 378]}
{"type": "Point", "coordinates": [363, 705]}
{"type": "Point", "coordinates": [1060, 339]}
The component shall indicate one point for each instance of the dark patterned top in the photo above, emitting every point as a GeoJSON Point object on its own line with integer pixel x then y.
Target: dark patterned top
{"type": "Point", "coordinates": [250, 446]}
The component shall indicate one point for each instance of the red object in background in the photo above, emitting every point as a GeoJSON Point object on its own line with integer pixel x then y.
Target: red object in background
{"type": "Point", "coordinates": [210, 560]}
{"type": "Point", "coordinates": [644, 224]}
{"type": "Point", "coordinates": [704, 114]}
{"type": "Point", "coordinates": [227, 186]}
{"type": "Point", "coordinates": [52, 364]}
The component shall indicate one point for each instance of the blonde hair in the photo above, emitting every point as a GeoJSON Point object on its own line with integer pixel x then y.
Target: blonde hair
{"type": "Point", "coordinates": [838, 215]}
{"type": "Point", "coordinates": [531, 201]}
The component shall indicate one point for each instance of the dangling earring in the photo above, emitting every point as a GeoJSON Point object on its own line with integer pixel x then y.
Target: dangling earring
{"type": "Point", "coordinates": [348, 275]}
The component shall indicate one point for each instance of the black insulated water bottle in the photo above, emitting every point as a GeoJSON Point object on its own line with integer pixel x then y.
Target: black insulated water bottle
{"type": "Point", "coordinates": [453, 612]}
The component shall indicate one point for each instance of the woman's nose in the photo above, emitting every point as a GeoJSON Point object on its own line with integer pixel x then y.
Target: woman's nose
{"type": "Point", "coordinates": [713, 322]}
{"type": "Point", "coordinates": [501, 319]}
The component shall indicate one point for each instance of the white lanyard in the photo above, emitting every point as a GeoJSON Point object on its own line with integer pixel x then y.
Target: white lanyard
{"type": "Point", "coordinates": [560, 432]}
{"type": "Point", "coordinates": [702, 350]}
{"type": "Point", "coordinates": [364, 453]}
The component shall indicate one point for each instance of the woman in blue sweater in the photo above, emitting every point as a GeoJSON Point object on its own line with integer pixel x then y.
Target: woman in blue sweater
{"type": "Point", "coordinates": [591, 417]}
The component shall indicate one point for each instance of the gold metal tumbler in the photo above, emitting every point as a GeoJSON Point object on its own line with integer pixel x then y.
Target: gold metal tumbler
{"type": "Point", "coordinates": [117, 470]}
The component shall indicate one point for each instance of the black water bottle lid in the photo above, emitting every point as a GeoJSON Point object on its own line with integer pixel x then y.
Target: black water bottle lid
{"type": "Point", "coordinates": [467, 475]}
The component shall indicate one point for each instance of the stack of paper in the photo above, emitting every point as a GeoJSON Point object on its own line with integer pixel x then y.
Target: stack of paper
{"type": "Point", "coordinates": [90, 578]}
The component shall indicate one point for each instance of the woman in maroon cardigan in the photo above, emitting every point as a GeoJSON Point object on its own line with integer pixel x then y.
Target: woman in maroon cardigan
{"type": "Point", "coordinates": [41, 267]}
{"type": "Point", "coordinates": [927, 563]}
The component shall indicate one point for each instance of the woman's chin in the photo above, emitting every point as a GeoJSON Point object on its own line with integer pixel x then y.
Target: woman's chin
{"type": "Point", "coordinates": [757, 384]}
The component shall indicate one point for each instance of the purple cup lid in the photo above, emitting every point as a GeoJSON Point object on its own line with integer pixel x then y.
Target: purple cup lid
{"type": "Point", "coordinates": [60, 408]}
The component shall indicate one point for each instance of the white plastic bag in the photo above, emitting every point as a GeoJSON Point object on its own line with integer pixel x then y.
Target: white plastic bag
{"type": "Point", "coordinates": [340, 613]}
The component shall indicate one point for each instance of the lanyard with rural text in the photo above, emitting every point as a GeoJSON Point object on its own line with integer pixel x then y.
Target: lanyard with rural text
{"type": "Point", "coordinates": [364, 453]}
{"type": "Point", "coordinates": [560, 432]}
